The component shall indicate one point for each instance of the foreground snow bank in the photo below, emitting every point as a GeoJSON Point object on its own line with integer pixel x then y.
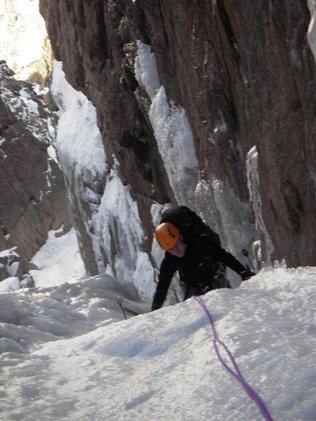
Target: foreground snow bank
{"type": "Point", "coordinates": [162, 365]}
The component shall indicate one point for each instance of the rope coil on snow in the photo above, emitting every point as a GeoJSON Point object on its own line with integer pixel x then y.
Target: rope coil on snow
{"type": "Point", "coordinates": [236, 373]}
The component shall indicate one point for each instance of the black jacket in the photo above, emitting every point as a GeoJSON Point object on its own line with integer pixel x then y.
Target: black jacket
{"type": "Point", "coordinates": [203, 259]}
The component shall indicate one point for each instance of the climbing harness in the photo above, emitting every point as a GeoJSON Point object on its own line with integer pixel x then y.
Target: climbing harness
{"type": "Point", "coordinates": [236, 371]}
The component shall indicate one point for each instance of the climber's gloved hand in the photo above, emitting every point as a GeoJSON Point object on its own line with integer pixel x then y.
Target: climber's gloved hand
{"type": "Point", "coordinates": [246, 274]}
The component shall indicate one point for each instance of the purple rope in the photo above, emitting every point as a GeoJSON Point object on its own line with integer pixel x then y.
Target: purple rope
{"type": "Point", "coordinates": [237, 374]}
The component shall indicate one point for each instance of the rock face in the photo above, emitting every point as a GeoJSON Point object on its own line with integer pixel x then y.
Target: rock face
{"type": "Point", "coordinates": [33, 199]}
{"type": "Point", "coordinates": [244, 74]}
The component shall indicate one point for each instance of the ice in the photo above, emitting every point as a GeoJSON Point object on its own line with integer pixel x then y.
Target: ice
{"type": "Point", "coordinates": [78, 142]}
{"type": "Point", "coordinates": [65, 350]}
{"type": "Point", "coordinates": [146, 69]}
{"type": "Point", "coordinates": [311, 33]}
{"type": "Point", "coordinates": [119, 225]}
{"type": "Point", "coordinates": [255, 198]}
{"type": "Point", "coordinates": [171, 129]}
{"type": "Point", "coordinates": [112, 220]}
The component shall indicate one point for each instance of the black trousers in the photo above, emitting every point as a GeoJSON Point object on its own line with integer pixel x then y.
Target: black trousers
{"type": "Point", "coordinates": [219, 280]}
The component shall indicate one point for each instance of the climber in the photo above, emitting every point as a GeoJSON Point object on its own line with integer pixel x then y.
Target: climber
{"type": "Point", "coordinates": [194, 250]}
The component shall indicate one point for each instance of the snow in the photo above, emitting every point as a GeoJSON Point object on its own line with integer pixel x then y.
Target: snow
{"type": "Point", "coordinates": [119, 224]}
{"type": "Point", "coordinates": [31, 105]}
{"type": "Point", "coordinates": [23, 106]}
{"type": "Point", "coordinates": [9, 284]}
{"type": "Point", "coordinates": [22, 44]}
{"type": "Point", "coordinates": [56, 262]}
{"type": "Point", "coordinates": [78, 142]}
{"type": "Point", "coordinates": [113, 221]}
{"type": "Point", "coordinates": [10, 261]}
{"type": "Point", "coordinates": [81, 154]}
{"type": "Point", "coordinates": [58, 259]}
{"type": "Point", "coordinates": [67, 353]}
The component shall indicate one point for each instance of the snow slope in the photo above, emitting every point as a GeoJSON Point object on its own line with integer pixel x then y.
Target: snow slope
{"type": "Point", "coordinates": [64, 358]}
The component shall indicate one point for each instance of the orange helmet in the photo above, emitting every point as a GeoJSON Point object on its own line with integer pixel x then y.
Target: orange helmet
{"type": "Point", "coordinates": [167, 235]}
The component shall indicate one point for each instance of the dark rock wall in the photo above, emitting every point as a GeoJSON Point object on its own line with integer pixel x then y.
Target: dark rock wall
{"type": "Point", "coordinates": [33, 199]}
{"type": "Point", "coordinates": [244, 74]}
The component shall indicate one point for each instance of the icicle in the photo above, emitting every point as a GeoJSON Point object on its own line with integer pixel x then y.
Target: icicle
{"type": "Point", "coordinates": [253, 183]}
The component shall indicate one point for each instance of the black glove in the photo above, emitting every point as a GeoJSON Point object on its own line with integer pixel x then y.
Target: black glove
{"type": "Point", "coordinates": [246, 274]}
